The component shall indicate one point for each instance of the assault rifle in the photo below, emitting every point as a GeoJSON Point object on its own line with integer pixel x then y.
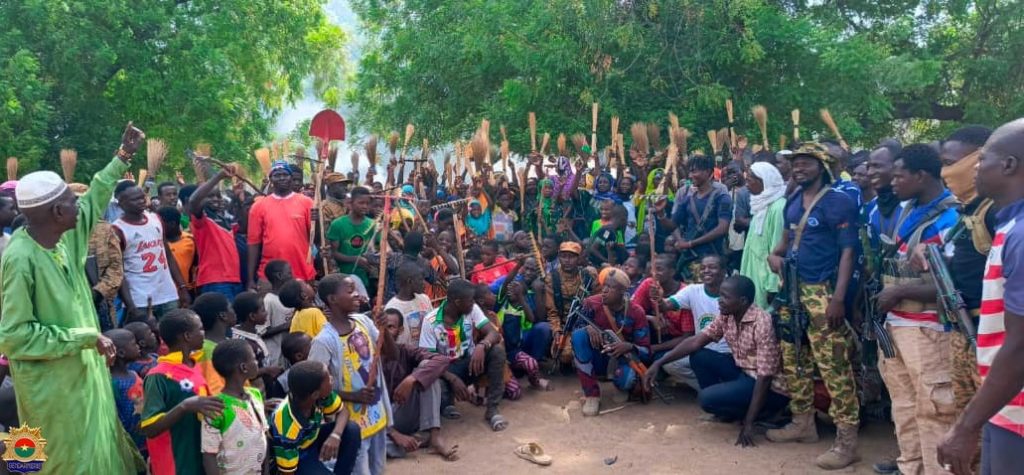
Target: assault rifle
{"type": "Point", "coordinates": [794, 329]}
{"type": "Point", "coordinates": [874, 324]}
{"type": "Point", "coordinates": [609, 337]}
{"type": "Point", "coordinates": [571, 322]}
{"type": "Point", "coordinates": [949, 296]}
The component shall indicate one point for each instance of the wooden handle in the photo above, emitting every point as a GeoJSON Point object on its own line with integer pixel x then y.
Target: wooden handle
{"type": "Point", "coordinates": [593, 131]}
{"type": "Point", "coordinates": [533, 131]}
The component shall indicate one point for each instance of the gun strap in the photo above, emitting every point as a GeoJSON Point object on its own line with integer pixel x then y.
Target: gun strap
{"type": "Point", "coordinates": [799, 233]}
{"type": "Point", "coordinates": [914, 236]}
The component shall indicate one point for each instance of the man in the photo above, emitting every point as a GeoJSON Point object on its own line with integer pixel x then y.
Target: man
{"type": "Point", "coordinates": [700, 216]}
{"type": "Point", "coordinates": [279, 226]}
{"type": "Point", "coordinates": [536, 341]}
{"type": "Point", "coordinates": [740, 195]}
{"type": "Point", "coordinates": [104, 266]}
{"type": "Point", "coordinates": [745, 386]}
{"type": "Point", "coordinates": [881, 211]}
{"type": "Point", "coordinates": [57, 354]}
{"type": "Point", "coordinates": [8, 211]}
{"type": "Point", "coordinates": [918, 375]}
{"type": "Point", "coordinates": [972, 239]}
{"type": "Point", "coordinates": [840, 158]}
{"type": "Point", "coordinates": [820, 241]}
{"type": "Point", "coordinates": [214, 234]}
{"type": "Point", "coordinates": [449, 330]}
{"type": "Point", "coordinates": [148, 277]}
{"type": "Point", "coordinates": [610, 310]}
{"type": "Point", "coordinates": [999, 404]}
{"type": "Point", "coordinates": [412, 245]}
{"type": "Point", "coordinates": [671, 327]}
{"type": "Point", "coordinates": [296, 173]}
{"type": "Point", "coordinates": [568, 281]}
{"type": "Point", "coordinates": [167, 195]}
{"type": "Point", "coordinates": [334, 206]}
{"type": "Point", "coordinates": [701, 302]}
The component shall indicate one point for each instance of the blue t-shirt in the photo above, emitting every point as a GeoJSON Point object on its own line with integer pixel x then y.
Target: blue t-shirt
{"type": "Point", "coordinates": [1013, 257]}
{"type": "Point", "coordinates": [831, 228]}
{"type": "Point", "coordinates": [683, 216]}
{"type": "Point", "coordinates": [850, 188]}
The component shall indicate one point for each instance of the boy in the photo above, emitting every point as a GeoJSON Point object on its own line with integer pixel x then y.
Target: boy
{"type": "Point", "coordinates": [279, 317]}
{"type": "Point", "coordinates": [127, 385]}
{"type": "Point", "coordinates": [307, 319]}
{"type": "Point", "coordinates": [217, 317]}
{"type": "Point", "coordinates": [250, 313]}
{"type": "Point", "coordinates": [296, 349]}
{"type": "Point", "coordinates": [515, 318]}
{"type": "Point", "coordinates": [300, 437]}
{"type": "Point", "coordinates": [349, 236]}
{"type": "Point", "coordinates": [182, 246]}
{"type": "Point", "coordinates": [347, 345]}
{"type": "Point", "coordinates": [484, 273]}
{"type": "Point", "coordinates": [235, 442]}
{"type": "Point", "coordinates": [410, 301]}
{"type": "Point", "coordinates": [145, 338]}
{"type": "Point", "coordinates": [174, 392]}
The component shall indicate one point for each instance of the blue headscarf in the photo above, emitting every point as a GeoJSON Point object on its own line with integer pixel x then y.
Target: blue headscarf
{"type": "Point", "coordinates": [606, 195]}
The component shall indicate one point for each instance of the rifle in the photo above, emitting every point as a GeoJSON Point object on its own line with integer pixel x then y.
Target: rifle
{"type": "Point", "coordinates": [609, 337]}
{"type": "Point", "coordinates": [949, 296]}
{"type": "Point", "coordinates": [793, 330]}
{"type": "Point", "coordinates": [874, 324]}
{"type": "Point", "coordinates": [571, 322]}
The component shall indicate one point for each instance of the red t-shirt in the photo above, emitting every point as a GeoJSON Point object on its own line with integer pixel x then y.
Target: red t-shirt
{"type": "Point", "coordinates": [679, 321]}
{"type": "Point", "coordinates": [490, 275]}
{"type": "Point", "coordinates": [216, 245]}
{"type": "Point", "coordinates": [282, 226]}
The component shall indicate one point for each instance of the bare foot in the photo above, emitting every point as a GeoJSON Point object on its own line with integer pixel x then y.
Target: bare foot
{"type": "Point", "coordinates": [542, 384]}
{"type": "Point", "coordinates": [448, 453]}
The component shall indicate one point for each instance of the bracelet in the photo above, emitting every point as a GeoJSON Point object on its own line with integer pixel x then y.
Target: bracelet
{"type": "Point", "coordinates": [334, 436]}
{"type": "Point", "coordinates": [123, 155]}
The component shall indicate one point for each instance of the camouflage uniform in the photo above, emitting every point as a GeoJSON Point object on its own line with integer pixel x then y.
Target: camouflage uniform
{"type": "Point", "coordinates": [966, 379]}
{"type": "Point", "coordinates": [828, 350]}
{"type": "Point", "coordinates": [105, 246]}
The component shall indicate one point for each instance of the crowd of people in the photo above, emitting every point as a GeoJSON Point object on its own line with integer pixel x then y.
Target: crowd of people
{"type": "Point", "coordinates": [216, 328]}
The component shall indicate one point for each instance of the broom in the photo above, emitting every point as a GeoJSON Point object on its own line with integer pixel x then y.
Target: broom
{"type": "Point", "coordinates": [480, 149]}
{"type": "Point", "coordinates": [826, 117]}
{"type": "Point", "coordinates": [355, 161]}
{"type": "Point", "coordinates": [621, 143]}
{"type": "Point", "coordinates": [673, 121]}
{"type": "Point", "coordinates": [713, 139]}
{"type": "Point", "coordinates": [639, 132]}
{"type": "Point", "coordinates": [614, 161]}
{"type": "Point", "coordinates": [579, 141]}
{"type": "Point", "coordinates": [728, 113]}
{"type": "Point", "coordinates": [724, 137]}
{"type": "Point", "coordinates": [485, 129]}
{"type": "Point", "coordinates": [532, 118]}
{"type": "Point", "coordinates": [796, 125]}
{"type": "Point", "coordinates": [782, 141]}
{"type": "Point", "coordinates": [263, 158]}
{"type": "Point", "coordinates": [371, 151]}
{"type": "Point", "coordinates": [593, 132]}
{"type": "Point", "coordinates": [563, 150]}
{"type": "Point", "coordinates": [544, 143]}
{"type": "Point", "coordinates": [275, 151]}
{"type": "Point", "coordinates": [409, 130]}
{"type": "Point", "coordinates": [393, 143]}
{"type": "Point", "coordinates": [203, 149]}
{"type": "Point", "coordinates": [156, 152]}
{"type": "Point", "coordinates": [504, 148]}
{"type": "Point", "coordinates": [680, 137]}
{"type": "Point", "coordinates": [12, 168]}
{"type": "Point", "coordinates": [761, 117]}
{"type": "Point", "coordinates": [654, 137]}
{"type": "Point", "coordinates": [68, 160]}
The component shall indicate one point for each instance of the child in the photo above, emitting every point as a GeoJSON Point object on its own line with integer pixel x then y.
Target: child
{"type": "Point", "coordinates": [295, 347]}
{"type": "Point", "coordinates": [347, 345]}
{"type": "Point", "coordinates": [279, 317]}
{"type": "Point", "coordinates": [515, 318]}
{"type": "Point", "coordinates": [145, 338]}
{"type": "Point", "coordinates": [174, 392]}
{"type": "Point", "coordinates": [301, 438]}
{"type": "Point", "coordinates": [217, 316]}
{"type": "Point", "coordinates": [127, 385]}
{"type": "Point", "coordinates": [236, 441]}
{"type": "Point", "coordinates": [634, 267]}
{"type": "Point", "coordinates": [307, 319]}
{"type": "Point", "coordinates": [181, 243]}
{"type": "Point", "coordinates": [250, 313]}
{"type": "Point", "coordinates": [410, 301]}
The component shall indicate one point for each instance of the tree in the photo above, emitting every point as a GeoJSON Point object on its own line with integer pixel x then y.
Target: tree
{"type": "Point", "coordinates": [187, 71]}
{"type": "Point", "coordinates": [444, 65]}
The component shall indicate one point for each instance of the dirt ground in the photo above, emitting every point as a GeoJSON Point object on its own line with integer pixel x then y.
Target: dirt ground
{"type": "Point", "coordinates": [650, 439]}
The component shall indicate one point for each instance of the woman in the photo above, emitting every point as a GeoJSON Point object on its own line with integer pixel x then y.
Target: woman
{"type": "Point", "coordinates": [767, 204]}
{"type": "Point", "coordinates": [479, 220]}
{"type": "Point", "coordinates": [543, 218]}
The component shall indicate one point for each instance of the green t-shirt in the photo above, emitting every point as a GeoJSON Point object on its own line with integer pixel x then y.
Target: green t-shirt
{"type": "Point", "coordinates": [352, 240]}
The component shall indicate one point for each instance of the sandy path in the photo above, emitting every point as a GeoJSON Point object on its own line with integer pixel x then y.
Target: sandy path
{"type": "Point", "coordinates": [653, 438]}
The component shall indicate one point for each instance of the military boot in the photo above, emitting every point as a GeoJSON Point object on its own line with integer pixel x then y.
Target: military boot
{"type": "Point", "coordinates": [800, 429]}
{"type": "Point", "coordinates": [843, 451]}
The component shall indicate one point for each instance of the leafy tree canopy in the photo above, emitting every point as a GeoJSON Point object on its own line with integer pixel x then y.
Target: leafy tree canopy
{"type": "Point", "coordinates": [72, 72]}
{"type": "Point", "coordinates": [915, 68]}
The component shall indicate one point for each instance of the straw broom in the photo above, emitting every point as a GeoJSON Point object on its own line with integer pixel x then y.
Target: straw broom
{"type": "Point", "coordinates": [263, 158]}
{"type": "Point", "coordinates": [579, 141]}
{"type": "Point", "coordinates": [613, 161]}
{"type": "Point", "coordinates": [782, 141]}
{"type": "Point", "coordinates": [639, 132]}
{"type": "Point", "coordinates": [713, 139]}
{"type": "Point", "coordinates": [593, 131]}
{"type": "Point", "coordinates": [393, 143]}
{"type": "Point", "coordinates": [728, 113]}
{"type": "Point", "coordinates": [532, 118]}
{"type": "Point", "coordinates": [621, 143]}
{"type": "Point", "coordinates": [12, 168]}
{"type": "Point", "coordinates": [355, 161]}
{"type": "Point", "coordinates": [563, 149]}
{"type": "Point", "coordinates": [504, 148]}
{"type": "Point", "coordinates": [826, 117]}
{"type": "Point", "coordinates": [544, 143]}
{"type": "Point", "coordinates": [796, 125]}
{"type": "Point", "coordinates": [480, 149]}
{"type": "Point", "coordinates": [724, 137]}
{"type": "Point", "coordinates": [68, 161]}
{"type": "Point", "coordinates": [654, 137]}
{"type": "Point", "coordinates": [156, 152]}
{"type": "Point", "coordinates": [673, 121]}
{"type": "Point", "coordinates": [761, 117]}
{"type": "Point", "coordinates": [485, 129]}
{"type": "Point", "coordinates": [371, 151]}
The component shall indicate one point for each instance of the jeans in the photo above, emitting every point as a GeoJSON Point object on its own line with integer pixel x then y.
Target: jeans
{"type": "Point", "coordinates": [372, 454]}
{"type": "Point", "coordinates": [228, 289]}
{"type": "Point", "coordinates": [160, 310]}
{"type": "Point", "coordinates": [712, 367]}
{"type": "Point", "coordinates": [494, 368]}
{"type": "Point", "coordinates": [730, 400]}
{"type": "Point", "coordinates": [537, 341]}
{"type": "Point", "coordinates": [1002, 451]}
{"type": "Point", "coordinates": [682, 371]}
{"type": "Point", "coordinates": [591, 363]}
{"type": "Point", "coordinates": [348, 449]}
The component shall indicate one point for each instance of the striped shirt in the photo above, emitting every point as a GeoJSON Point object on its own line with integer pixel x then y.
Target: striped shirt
{"type": "Point", "coordinates": [1002, 273]}
{"type": "Point", "coordinates": [291, 437]}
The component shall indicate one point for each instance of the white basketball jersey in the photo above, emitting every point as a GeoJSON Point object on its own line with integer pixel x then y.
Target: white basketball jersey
{"type": "Point", "coordinates": [145, 262]}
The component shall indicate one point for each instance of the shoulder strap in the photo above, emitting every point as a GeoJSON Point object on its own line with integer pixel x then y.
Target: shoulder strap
{"type": "Point", "coordinates": [799, 233]}
{"type": "Point", "coordinates": [915, 234]}
{"type": "Point", "coordinates": [980, 235]}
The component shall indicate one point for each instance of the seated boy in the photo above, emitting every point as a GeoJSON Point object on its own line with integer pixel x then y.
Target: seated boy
{"type": "Point", "coordinates": [175, 391]}
{"type": "Point", "coordinates": [295, 348]}
{"type": "Point", "coordinates": [301, 438]}
{"type": "Point", "coordinates": [236, 440]}
{"type": "Point", "coordinates": [410, 301]}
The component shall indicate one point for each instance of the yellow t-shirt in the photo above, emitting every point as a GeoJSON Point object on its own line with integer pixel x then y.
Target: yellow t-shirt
{"type": "Point", "coordinates": [309, 321]}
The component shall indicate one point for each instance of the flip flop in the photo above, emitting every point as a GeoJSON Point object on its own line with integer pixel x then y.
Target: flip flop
{"type": "Point", "coordinates": [533, 453]}
{"type": "Point", "coordinates": [498, 423]}
{"type": "Point", "coordinates": [450, 412]}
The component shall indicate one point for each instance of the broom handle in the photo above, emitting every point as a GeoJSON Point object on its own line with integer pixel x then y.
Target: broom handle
{"type": "Point", "coordinates": [382, 270]}
{"type": "Point", "coordinates": [221, 164]}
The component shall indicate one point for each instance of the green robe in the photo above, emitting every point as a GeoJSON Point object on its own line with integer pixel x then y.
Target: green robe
{"type": "Point", "coordinates": [757, 249]}
{"type": "Point", "coordinates": [48, 331]}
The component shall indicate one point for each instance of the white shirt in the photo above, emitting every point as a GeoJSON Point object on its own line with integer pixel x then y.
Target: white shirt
{"type": "Point", "coordinates": [704, 308]}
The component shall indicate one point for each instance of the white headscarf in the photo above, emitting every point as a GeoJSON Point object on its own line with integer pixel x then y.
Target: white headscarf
{"type": "Point", "coordinates": [774, 189]}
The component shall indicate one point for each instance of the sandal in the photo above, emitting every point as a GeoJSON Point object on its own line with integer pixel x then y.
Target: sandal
{"type": "Point", "coordinates": [533, 453]}
{"type": "Point", "coordinates": [498, 423]}
{"type": "Point", "coordinates": [450, 412]}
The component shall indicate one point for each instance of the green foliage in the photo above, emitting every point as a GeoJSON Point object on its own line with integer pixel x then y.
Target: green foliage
{"type": "Point", "coordinates": [215, 71]}
{"type": "Point", "coordinates": [878, 66]}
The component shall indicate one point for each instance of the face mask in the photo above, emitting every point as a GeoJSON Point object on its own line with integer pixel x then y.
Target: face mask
{"type": "Point", "coordinates": [959, 177]}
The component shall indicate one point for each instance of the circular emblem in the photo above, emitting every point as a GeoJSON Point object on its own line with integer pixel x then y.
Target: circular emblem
{"type": "Point", "coordinates": [187, 385]}
{"type": "Point", "coordinates": [356, 241]}
{"type": "Point", "coordinates": [24, 448]}
{"type": "Point", "coordinates": [812, 221]}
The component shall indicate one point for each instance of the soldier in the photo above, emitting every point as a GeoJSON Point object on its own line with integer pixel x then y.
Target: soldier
{"type": "Point", "coordinates": [821, 242]}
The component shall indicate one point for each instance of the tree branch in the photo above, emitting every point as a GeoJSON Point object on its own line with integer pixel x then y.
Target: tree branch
{"type": "Point", "coordinates": [926, 110]}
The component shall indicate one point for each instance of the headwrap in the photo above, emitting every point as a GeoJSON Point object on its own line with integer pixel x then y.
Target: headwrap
{"type": "Point", "coordinates": [652, 187]}
{"type": "Point", "coordinates": [39, 188]}
{"type": "Point", "coordinates": [606, 195]}
{"type": "Point", "coordinates": [571, 246]}
{"type": "Point", "coordinates": [774, 190]}
{"type": "Point", "coordinates": [818, 152]}
{"type": "Point", "coordinates": [408, 190]}
{"type": "Point", "coordinates": [480, 225]}
{"type": "Point", "coordinates": [959, 177]}
{"type": "Point", "coordinates": [9, 185]}
{"type": "Point", "coordinates": [280, 165]}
